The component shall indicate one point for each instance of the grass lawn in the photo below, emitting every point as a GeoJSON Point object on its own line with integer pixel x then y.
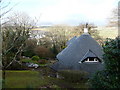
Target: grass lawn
{"type": "Point", "coordinates": [24, 79]}
{"type": "Point", "coordinates": [34, 79]}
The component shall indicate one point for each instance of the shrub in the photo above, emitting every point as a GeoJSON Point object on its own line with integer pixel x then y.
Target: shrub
{"type": "Point", "coordinates": [28, 53]}
{"type": "Point", "coordinates": [42, 61]}
{"type": "Point", "coordinates": [28, 61]}
{"type": "Point", "coordinates": [43, 52]}
{"type": "Point", "coordinates": [110, 77]}
{"type": "Point", "coordinates": [73, 76]}
{"type": "Point", "coordinates": [35, 58]}
{"type": "Point", "coordinates": [103, 79]}
{"type": "Point", "coordinates": [29, 48]}
{"type": "Point", "coordinates": [99, 80]}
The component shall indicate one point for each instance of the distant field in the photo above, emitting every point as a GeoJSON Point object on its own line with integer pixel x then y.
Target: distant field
{"type": "Point", "coordinates": [108, 32]}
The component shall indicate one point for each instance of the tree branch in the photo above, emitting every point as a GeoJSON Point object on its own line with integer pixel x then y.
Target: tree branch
{"type": "Point", "coordinates": [14, 59]}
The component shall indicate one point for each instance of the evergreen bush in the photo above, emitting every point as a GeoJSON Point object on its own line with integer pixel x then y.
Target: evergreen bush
{"type": "Point", "coordinates": [73, 75]}
{"type": "Point", "coordinates": [110, 77]}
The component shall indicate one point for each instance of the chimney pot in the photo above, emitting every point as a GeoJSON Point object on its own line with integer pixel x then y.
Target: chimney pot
{"type": "Point", "coordinates": [85, 30]}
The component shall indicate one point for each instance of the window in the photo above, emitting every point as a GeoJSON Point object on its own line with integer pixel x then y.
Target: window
{"type": "Point", "coordinates": [91, 59]}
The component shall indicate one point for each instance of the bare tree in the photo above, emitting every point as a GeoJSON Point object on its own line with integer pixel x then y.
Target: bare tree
{"type": "Point", "coordinates": [92, 30]}
{"type": "Point", "coordinates": [59, 35]}
{"type": "Point", "coordinates": [3, 12]}
{"type": "Point", "coordinates": [2, 7]}
{"type": "Point", "coordinates": [15, 33]}
{"type": "Point", "coordinates": [5, 8]}
{"type": "Point", "coordinates": [113, 19]}
{"type": "Point", "coordinates": [80, 28]}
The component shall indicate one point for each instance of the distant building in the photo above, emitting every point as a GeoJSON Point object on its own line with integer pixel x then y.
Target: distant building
{"type": "Point", "coordinates": [82, 53]}
{"type": "Point", "coordinates": [37, 34]}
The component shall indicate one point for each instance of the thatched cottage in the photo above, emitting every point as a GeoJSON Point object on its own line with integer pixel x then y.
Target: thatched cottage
{"type": "Point", "coordinates": [82, 53]}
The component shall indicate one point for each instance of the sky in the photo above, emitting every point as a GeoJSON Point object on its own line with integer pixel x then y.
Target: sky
{"type": "Point", "coordinates": [70, 12]}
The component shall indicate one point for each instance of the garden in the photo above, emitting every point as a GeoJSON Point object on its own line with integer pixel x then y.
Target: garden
{"type": "Point", "coordinates": [45, 77]}
{"type": "Point", "coordinates": [27, 56]}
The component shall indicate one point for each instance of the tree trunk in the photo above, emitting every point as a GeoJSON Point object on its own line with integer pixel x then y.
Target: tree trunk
{"type": "Point", "coordinates": [3, 77]}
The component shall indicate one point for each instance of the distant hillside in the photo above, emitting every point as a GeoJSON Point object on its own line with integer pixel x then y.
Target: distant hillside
{"type": "Point", "coordinates": [108, 32]}
{"type": "Point", "coordinates": [104, 32]}
{"type": "Point", "coordinates": [42, 28]}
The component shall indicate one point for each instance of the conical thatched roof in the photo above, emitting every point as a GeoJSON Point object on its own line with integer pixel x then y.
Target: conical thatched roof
{"type": "Point", "coordinates": [79, 49]}
{"type": "Point", "coordinates": [71, 40]}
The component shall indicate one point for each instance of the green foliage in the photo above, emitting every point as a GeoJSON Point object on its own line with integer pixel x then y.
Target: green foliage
{"type": "Point", "coordinates": [103, 79]}
{"type": "Point", "coordinates": [29, 48]}
{"type": "Point", "coordinates": [24, 79]}
{"type": "Point", "coordinates": [33, 79]}
{"type": "Point", "coordinates": [73, 76]}
{"type": "Point", "coordinates": [110, 77]}
{"type": "Point", "coordinates": [29, 61]}
{"type": "Point", "coordinates": [54, 50]}
{"type": "Point", "coordinates": [28, 53]}
{"type": "Point", "coordinates": [99, 80]}
{"type": "Point", "coordinates": [35, 58]}
{"type": "Point", "coordinates": [112, 55]}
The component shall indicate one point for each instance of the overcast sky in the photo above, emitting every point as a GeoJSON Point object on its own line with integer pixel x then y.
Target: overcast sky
{"type": "Point", "coordinates": [71, 12]}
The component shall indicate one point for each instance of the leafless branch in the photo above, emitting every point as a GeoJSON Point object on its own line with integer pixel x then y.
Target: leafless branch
{"type": "Point", "coordinates": [14, 59]}
{"type": "Point", "coordinates": [2, 14]}
{"type": "Point", "coordinates": [5, 6]}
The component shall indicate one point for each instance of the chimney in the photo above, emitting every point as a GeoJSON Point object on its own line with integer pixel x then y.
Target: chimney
{"type": "Point", "coordinates": [86, 28]}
